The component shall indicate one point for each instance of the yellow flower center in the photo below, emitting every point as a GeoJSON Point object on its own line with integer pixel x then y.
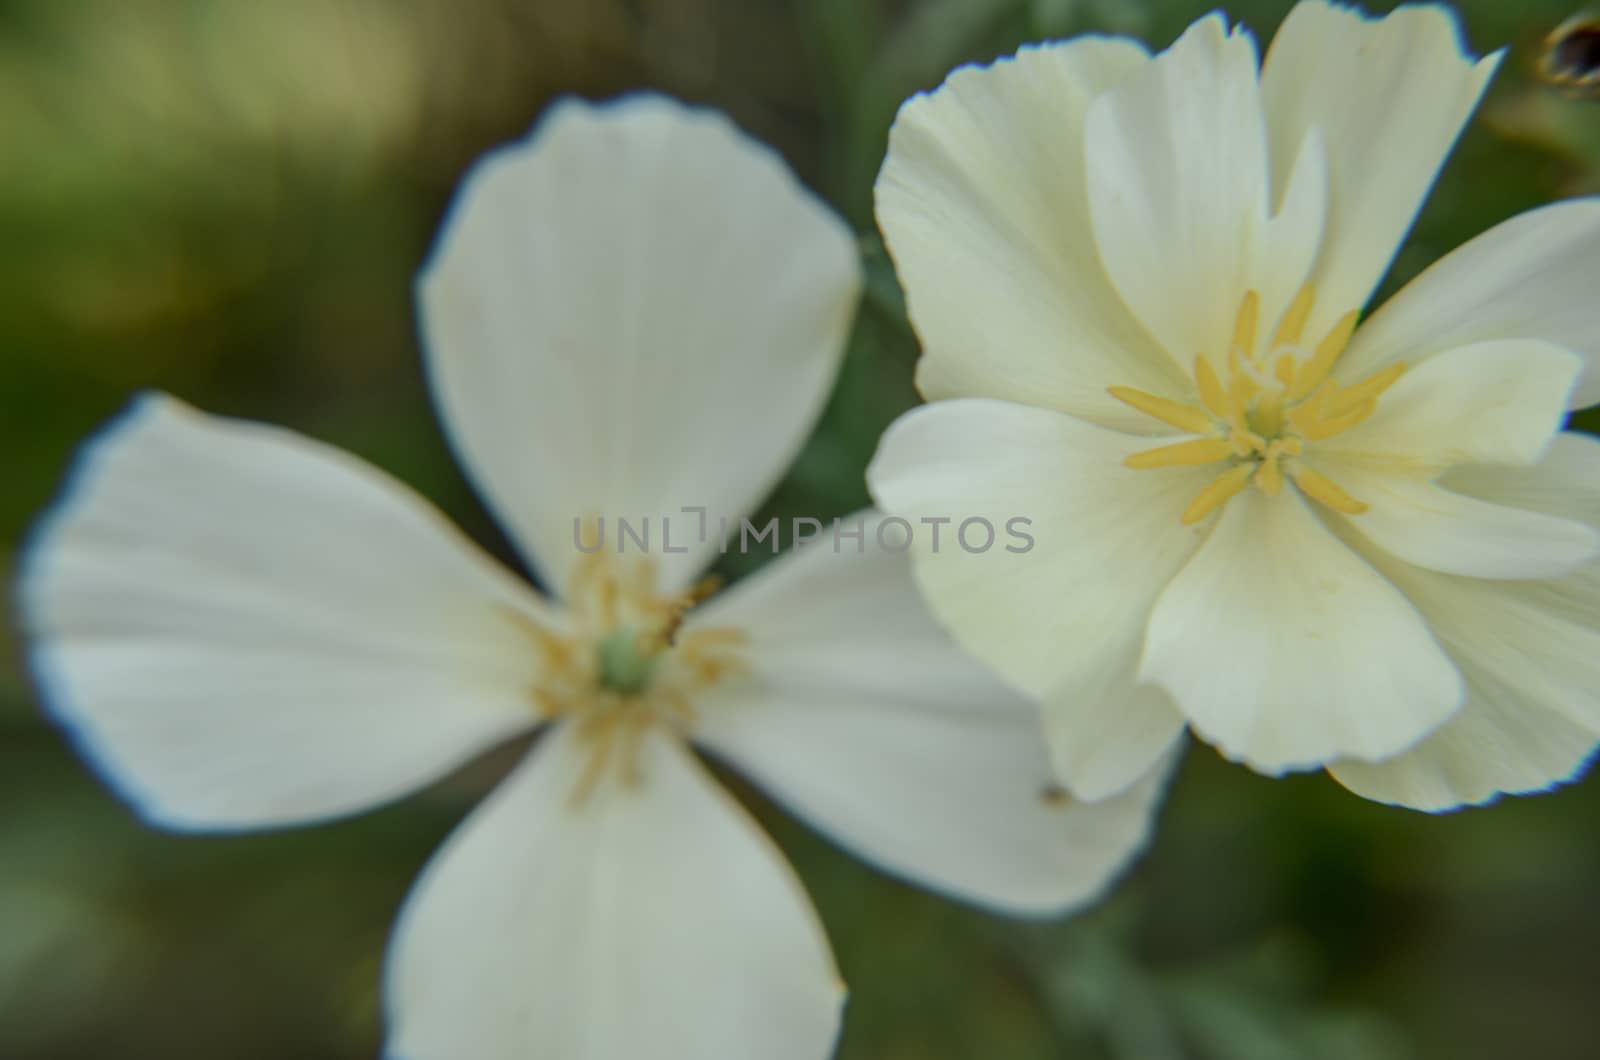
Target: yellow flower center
{"type": "Point", "coordinates": [1262, 411]}
{"type": "Point", "coordinates": [625, 663]}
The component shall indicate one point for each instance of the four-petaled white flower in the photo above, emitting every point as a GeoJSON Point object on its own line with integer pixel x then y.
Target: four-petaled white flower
{"type": "Point", "coordinates": [1315, 544]}
{"type": "Point", "coordinates": [636, 310]}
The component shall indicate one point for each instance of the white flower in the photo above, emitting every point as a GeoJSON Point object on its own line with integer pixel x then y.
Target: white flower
{"type": "Point", "coordinates": [1315, 544]}
{"type": "Point", "coordinates": [638, 309]}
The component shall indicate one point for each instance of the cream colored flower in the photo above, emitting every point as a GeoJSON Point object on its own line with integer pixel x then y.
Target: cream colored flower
{"type": "Point", "coordinates": [636, 310]}
{"type": "Point", "coordinates": [1315, 543]}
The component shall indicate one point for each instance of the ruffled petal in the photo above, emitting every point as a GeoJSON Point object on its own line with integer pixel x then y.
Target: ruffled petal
{"type": "Point", "coordinates": [1287, 650]}
{"type": "Point", "coordinates": [1342, 74]}
{"type": "Point", "coordinates": [1530, 652]}
{"type": "Point", "coordinates": [1428, 526]}
{"type": "Point", "coordinates": [983, 203]}
{"type": "Point", "coordinates": [1083, 544]}
{"type": "Point", "coordinates": [1497, 402]}
{"type": "Point", "coordinates": [1530, 278]}
{"type": "Point", "coordinates": [1180, 199]}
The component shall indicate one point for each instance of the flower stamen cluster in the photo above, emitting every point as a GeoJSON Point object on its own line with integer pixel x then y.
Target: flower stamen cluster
{"type": "Point", "coordinates": [1275, 400]}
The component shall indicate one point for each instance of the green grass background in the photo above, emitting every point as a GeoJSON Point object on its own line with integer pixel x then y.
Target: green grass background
{"type": "Point", "coordinates": [227, 199]}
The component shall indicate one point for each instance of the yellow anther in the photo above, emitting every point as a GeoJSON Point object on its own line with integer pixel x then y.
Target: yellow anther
{"type": "Point", "coordinates": [1314, 424]}
{"type": "Point", "coordinates": [1269, 476]}
{"type": "Point", "coordinates": [1294, 318]}
{"type": "Point", "coordinates": [1222, 489]}
{"type": "Point", "coordinates": [1310, 374]}
{"type": "Point", "coordinates": [1368, 390]}
{"type": "Point", "coordinates": [1259, 410]}
{"type": "Point", "coordinates": [1322, 490]}
{"type": "Point", "coordinates": [1283, 370]}
{"type": "Point", "coordinates": [1245, 442]}
{"type": "Point", "coordinates": [1175, 413]}
{"type": "Point", "coordinates": [1183, 454]}
{"type": "Point", "coordinates": [1212, 393]}
{"type": "Point", "coordinates": [1245, 324]}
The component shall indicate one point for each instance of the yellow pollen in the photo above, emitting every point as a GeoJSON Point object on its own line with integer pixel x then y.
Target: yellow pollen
{"type": "Point", "coordinates": [1260, 419]}
{"type": "Point", "coordinates": [623, 662]}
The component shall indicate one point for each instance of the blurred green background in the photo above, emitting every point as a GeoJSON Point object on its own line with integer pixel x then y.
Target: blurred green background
{"type": "Point", "coordinates": [227, 199]}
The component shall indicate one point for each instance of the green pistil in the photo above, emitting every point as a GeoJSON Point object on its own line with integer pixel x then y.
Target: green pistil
{"type": "Point", "coordinates": [623, 667]}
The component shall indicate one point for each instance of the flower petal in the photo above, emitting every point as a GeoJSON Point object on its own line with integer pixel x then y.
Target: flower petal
{"type": "Point", "coordinates": [1332, 69]}
{"type": "Point", "coordinates": [1286, 650]}
{"type": "Point", "coordinates": [1530, 652]}
{"type": "Point", "coordinates": [246, 628]}
{"type": "Point", "coordinates": [1104, 538]}
{"type": "Point", "coordinates": [1063, 618]}
{"type": "Point", "coordinates": [862, 716]}
{"type": "Point", "coordinates": [1496, 402]}
{"type": "Point", "coordinates": [655, 920]}
{"type": "Point", "coordinates": [1426, 525]}
{"type": "Point", "coordinates": [1178, 193]}
{"type": "Point", "coordinates": [1531, 277]}
{"type": "Point", "coordinates": [633, 296]}
{"type": "Point", "coordinates": [1106, 731]}
{"type": "Point", "coordinates": [983, 204]}
{"type": "Point", "coordinates": [1502, 742]}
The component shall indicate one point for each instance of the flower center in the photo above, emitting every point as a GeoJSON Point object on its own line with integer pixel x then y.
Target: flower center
{"type": "Point", "coordinates": [1259, 414]}
{"type": "Point", "coordinates": [625, 663]}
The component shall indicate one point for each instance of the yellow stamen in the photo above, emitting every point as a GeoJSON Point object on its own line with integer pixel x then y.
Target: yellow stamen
{"type": "Point", "coordinates": [1184, 417]}
{"type": "Point", "coordinates": [1322, 490]}
{"type": "Point", "coordinates": [1218, 493]}
{"type": "Point", "coordinates": [1259, 410]}
{"type": "Point", "coordinates": [1270, 476]}
{"type": "Point", "coordinates": [1294, 318]}
{"type": "Point", "coordinates": [1310, 374]}
{"type": "Point", "coordinates": [1183, 454]}
{"type": "Point", "coordinates": [1212, 394]}
{"type": "Point", "coordinates": [1245, 442]}
{"type": "Point", "coordinates": [1315, 425]}
{"type": "Point", "coordinates": [1283, 371]}
{"type": "Point", "coordinates": [1368, 390]}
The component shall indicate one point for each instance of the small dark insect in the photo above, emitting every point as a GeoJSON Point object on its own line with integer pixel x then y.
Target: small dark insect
{"type": "Point", "coordinates": [1055, 795]}
{"type": "Point", "coordinates": [1571, 58]}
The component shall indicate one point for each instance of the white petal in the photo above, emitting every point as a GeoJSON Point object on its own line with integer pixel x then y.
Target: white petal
{"type": "Point", "coordinates": [634, 310]}
{"type": "Point", "coordinates": [1442, 530]}
{"type": "Point", "coordinates": [1106, 730]}
{"type": "Point", "coordinates": [1178, 190]}
{"type": "Point", "coordinates": [1494, 402]}
{"type": "Point", "coordinates": [1105, 538]}
{"type": "Point", "coordinates": [1541, 638]}
{"type": "Point", "coordinates": [863, 717]}
{"type": "Point", "coordinates": [1287, 650]}
{"type": "Point", "coordinates": [1502, 742]}
{"type": "Point", "coordinates": [647, 921]}
{"type": "Point", "coordinates": [1389, 96]}
{"type": "Point", "coordinates": [1531, 277]}
{"type": "Point", "coordinates": [1565, 483]}
{"type": "Point", "coordinates": [247, 628]}
{"type": "Point", "coordinates": [1063, 619]}
{"type": "Point", "coordinates": [983, 204]}
{"type": "Point", "coordinates": [1530, 652]}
